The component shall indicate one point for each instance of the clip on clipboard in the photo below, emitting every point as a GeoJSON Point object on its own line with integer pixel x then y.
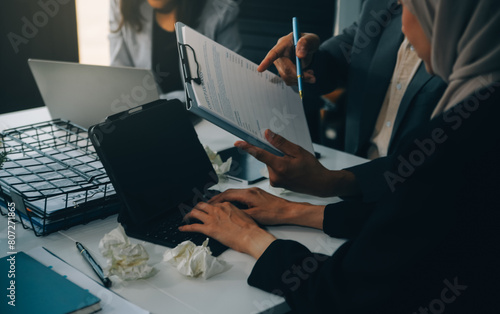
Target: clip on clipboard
{"type": "Point", "coordinates": [187, 71]}
{"type": "Point", "coordinates": [185, 64]}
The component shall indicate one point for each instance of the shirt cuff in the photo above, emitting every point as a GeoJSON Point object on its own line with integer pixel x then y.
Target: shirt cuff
{"type": "Point", "coordinates": [371, 178]}
{"type": "Point", "coordinates": [346, 219]}
{"type": "Point", "coordinates": [269, 272]}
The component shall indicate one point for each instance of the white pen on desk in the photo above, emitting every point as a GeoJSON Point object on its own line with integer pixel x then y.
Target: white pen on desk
{"type": "Point", "coordinates": [97, 269]}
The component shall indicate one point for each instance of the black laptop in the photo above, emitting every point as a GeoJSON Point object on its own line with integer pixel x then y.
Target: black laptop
{"type": "Point", "coordinates": [159, 169]}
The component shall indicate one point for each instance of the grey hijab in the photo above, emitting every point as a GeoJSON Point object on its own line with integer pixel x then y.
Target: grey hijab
{"type": "Point", "coordinates": [465, 40]}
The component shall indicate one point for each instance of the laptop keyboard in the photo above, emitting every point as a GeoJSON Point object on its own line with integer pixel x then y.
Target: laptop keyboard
{"type": "Point", "coordinates": [166, 232]}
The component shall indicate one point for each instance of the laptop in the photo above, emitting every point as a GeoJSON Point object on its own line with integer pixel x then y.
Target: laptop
{"type": "Point", "coordinates": [159, 170]}
{"type": "Point", "coordinates": [86, 94]}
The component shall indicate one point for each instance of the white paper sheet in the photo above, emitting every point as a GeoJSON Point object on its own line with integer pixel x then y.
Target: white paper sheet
{"type": "Point", "coordinates": [233, 90]}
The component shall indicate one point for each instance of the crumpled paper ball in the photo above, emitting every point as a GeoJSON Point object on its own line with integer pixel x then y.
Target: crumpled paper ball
{"type": "Point", "coordinates": [220, 167]}
{"type": "Point", "coordinates": [193, 261]}
{"type": "Point", "coordinates": [125, 260]}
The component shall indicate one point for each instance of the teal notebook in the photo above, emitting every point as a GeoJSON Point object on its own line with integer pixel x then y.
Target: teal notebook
{"type": "Point", "coordinates": [39, 289]}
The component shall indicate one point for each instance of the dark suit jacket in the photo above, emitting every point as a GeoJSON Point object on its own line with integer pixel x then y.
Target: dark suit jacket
{"type": "Point", "coordinates": [363, 59]}
{"type": "Point", "coordinates": [425, 235]}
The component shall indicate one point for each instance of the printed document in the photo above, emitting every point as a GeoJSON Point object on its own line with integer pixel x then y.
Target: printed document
{"type": "Point", "coordinates": [234, 91]}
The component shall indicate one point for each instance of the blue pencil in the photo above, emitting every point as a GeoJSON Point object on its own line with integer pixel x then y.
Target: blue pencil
{"type": "Point", "coordinates": [296, 36]}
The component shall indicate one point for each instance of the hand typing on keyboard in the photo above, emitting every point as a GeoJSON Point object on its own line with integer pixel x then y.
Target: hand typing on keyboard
{"type": "Point", "coordinates": [189, 221]}
{"type": "Point", "coordinates": [239, 229]}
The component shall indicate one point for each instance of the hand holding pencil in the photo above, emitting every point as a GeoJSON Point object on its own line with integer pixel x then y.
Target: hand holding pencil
{"type": "Point", "coordinates": [282, 54]}
{"type": "Point", "coordinates": [298, 65]}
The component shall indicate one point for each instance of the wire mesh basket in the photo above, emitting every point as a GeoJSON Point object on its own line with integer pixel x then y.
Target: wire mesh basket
{"type": "Point", "coordinates": [54, 177]}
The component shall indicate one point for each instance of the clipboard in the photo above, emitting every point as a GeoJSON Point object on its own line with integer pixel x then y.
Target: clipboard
{"type": "Point", "coordinates": [194, 78]}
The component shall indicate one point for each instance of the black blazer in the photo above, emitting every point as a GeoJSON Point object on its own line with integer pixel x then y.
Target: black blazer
{"type": "Point", "coordinates": [362, 59]}
{"type": "Point", "coordinates": [425, 235]}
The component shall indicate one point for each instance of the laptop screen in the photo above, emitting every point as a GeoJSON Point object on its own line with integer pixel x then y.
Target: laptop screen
{"type": "Point", "coordinates": [93, 92]}
{"type": "Point", "coordinates": [154, 159]}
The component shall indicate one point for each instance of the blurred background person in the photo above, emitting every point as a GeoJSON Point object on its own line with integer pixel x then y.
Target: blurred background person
{"type": "Point", "coordinates": [142, 34]}
{"type": "Point", "coordinates": [388, 91]}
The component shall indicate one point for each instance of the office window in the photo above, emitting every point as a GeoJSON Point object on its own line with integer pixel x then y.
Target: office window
{"type": "Point", "coordinates": [92, 21]}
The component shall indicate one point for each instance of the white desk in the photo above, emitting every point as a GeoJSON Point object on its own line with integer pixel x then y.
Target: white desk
{"type": "Point", "coordinates": [168, 291]}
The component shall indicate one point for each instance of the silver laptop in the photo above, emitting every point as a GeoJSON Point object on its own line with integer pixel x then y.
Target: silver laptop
{"type": "Point", "coordinates": [87, 94]}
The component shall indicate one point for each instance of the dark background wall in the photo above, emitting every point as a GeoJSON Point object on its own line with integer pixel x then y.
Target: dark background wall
{"type": "Point", "coordinates": [28, 30]}
{"type": "Point", "coordinates": [263, 22]}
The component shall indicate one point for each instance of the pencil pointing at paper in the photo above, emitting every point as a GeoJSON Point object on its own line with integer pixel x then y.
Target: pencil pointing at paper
{"type": "Point", "coordinates": [298, 63]}
{"type": "Point", "coordinates": [285, 54]}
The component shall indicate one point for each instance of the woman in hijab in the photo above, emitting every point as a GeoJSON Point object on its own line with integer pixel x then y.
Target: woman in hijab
{"type": "Point", "coordinates": [430, 242]}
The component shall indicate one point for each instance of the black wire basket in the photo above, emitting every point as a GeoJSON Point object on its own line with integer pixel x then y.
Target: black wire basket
{"type": "Point", "coordinates": [54, 177]}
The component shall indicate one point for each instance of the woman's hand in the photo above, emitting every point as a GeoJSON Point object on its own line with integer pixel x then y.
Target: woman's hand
{"type": "Point", "coordinates": [298, 170]}
{"type": "Point", "coordinates": [230, 226]}
{"type": "Point", "coordinates": [268, 209]}
{"type": "Point", "coordinates": [282, 53]}
{"type": "Point", "coordinates": [265, 208]}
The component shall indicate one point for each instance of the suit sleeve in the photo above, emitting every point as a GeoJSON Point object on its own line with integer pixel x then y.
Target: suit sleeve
{"type": "Point", "coordinates": [362, 275]}
{"type": "Point", "coordinates": [346, 219]}
{"type": "Point", "coordinates": [371, 179]}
